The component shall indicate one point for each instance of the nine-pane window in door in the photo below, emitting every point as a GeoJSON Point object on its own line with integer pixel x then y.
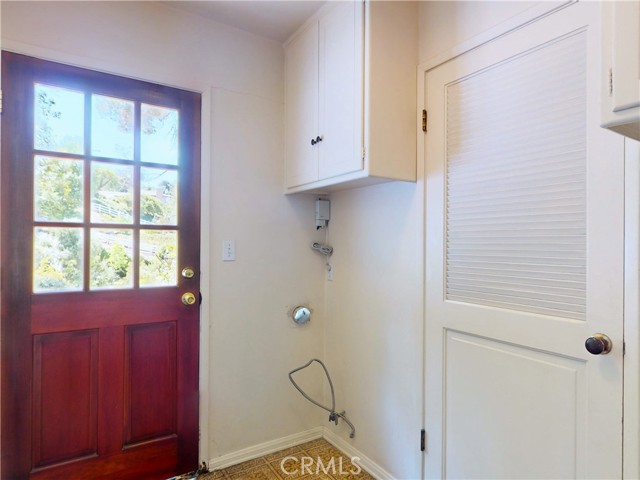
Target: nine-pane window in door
{"type": "Point", "coordinates": [106, 173]}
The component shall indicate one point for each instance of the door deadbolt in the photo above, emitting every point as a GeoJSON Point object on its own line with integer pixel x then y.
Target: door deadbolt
{"type": "Point", "coordinates": [188, 272]}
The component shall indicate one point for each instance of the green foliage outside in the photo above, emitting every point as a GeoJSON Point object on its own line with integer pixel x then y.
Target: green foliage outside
{"type": "Point", "coordinates": [159, 268]}
{"type": "Point", "coordinates": [58, 259]}
{"type": "Point", "coordinates": [58, 185]}
{"type": "Point", "coordinates": [111, 265]}
{"type": "Point", "coordinates": [111, 189]}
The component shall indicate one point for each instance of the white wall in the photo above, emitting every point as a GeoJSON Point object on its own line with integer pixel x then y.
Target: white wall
{"type": "Point", "coordinates": [446, 24]}
{"type": "Point", "coordinates": [248, 342]}
{"type": "Point", "coordinates": [374, 305]}
{"type": "Point", "coordinates": [254, 343]}
{"type": "Point", "coordinates": [374, 321]}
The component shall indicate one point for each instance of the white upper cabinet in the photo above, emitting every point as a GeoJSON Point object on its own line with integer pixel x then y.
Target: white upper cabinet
{"type": "Point", "coordinates": [621, 64]}
{"type": "Point", "coordinates": [350, 94]}
{"type": "Point", "coordinates": [340, 90]}
{"type": "Point", "coordinates": [302, 85]}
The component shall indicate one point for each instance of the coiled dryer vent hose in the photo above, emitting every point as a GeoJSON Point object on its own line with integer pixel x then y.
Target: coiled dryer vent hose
{"type": "Point", "coordinates": [333, 415]}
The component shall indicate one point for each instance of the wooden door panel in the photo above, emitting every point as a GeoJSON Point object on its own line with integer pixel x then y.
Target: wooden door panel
{"type": "Point", "coordinates": [148, 462]}
{"type": "Point", "coordinates": [150, 382]}
{"type": "Point", "coordinates": [98, 311]}
{"type": "Point", "coordinates": [65, 397]}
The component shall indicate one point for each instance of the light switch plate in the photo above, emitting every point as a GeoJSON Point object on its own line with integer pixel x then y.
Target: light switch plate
{"type": "Point", "coordinates": [228, 250]}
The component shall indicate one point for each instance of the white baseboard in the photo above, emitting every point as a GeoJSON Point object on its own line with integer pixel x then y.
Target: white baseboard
{"type": "Point", "coordinates": [265, 448]}
{"type": "Point", "coordinates": [350, 451]}
{"type": "Point", "coordinates": [296, 439]}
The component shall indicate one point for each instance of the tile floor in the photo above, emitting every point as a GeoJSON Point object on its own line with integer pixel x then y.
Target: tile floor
{"type": "Point", "coordinates": [313, 460]}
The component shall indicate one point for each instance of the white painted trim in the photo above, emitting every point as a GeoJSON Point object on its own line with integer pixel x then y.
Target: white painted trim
{"type": "Point", "coordinates": [542, 9]}
{"type": "Point", "coordinates": [631, 429]}
{"type": "Point", "coordinates": [204, 366]}
{"type": "Point", "coordinates": [421, 149]}
{"type": "Point", "coordinates": [350, 451]}
{"type": "Point", "coordinates": [265, 448]}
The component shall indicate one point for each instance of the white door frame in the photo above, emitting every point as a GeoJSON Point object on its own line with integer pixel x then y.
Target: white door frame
{"type": "Point", "coordinates": [631, 385]}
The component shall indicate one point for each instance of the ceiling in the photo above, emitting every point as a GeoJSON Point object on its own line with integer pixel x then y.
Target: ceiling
{"type": "Point", "coordinates": [272, 19]}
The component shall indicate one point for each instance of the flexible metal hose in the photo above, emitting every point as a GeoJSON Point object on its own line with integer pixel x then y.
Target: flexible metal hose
{"type": "Point", "coordinates": [333, 415]}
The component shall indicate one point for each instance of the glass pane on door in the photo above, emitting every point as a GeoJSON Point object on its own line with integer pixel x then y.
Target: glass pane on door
{"type": "Point", "coordinates": [111, 193]}
{"type": "Point", "coordinates": [58, 189]}
{"type": "Point", "coordinates": [57, 259]}
{"type": "Point", "coordinates": [158, 258]}
{"type": "Point", "coordinates": [159, 139]}
{"type": "Point", "coordinates": [112, 121]}
{"type": "Point", "coordinates": [158, 196]}
{"type": "Point", "coordinates": [58, 119]}
{"type": "Point", "coordinates": [111, 258]}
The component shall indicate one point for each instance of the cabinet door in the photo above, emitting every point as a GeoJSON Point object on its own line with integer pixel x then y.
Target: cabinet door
{"type": "Point", "coordinates": [626, 60]}
{"type": "Point", "coordinates": [301, 114]}
{"type": "Point", "coordinates": [341, 90]}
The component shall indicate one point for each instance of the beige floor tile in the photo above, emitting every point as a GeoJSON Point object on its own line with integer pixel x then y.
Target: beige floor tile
{"type": "Point", "coordinates": [262, 472]}
{"type": "Point", "coordinates": [323, 462]}
{"type": "Point", "coordinates": [289, 469]}
{"type": "Point", "coordinates": [215, 475]}
{"type": "Point", "coordinates": [319, 442]}
{"type": "Point", "coordinates": [234, 469]}
{"type": "Point", "coordinates": [326, 454]}
{"type": "Point", "coordinates": [293, 451]}
{"type": "Point", "coordinates": [349, 475]}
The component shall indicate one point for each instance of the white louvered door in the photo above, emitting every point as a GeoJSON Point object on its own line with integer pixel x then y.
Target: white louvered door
{"type": "Point", "coordinates": [524, 259]}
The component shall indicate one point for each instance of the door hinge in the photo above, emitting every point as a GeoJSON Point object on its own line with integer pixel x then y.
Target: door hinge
{"type": "Point", "coordinates": [423, 440]}
{"type": "Point", "coordinates": [610, 81]}
{"type": "Point", "coordinates": [424, 120]}
{"type": "Point", "coordinates": [364, 151]}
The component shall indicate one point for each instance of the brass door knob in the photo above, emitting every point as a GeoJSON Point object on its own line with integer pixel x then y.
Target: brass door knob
{"type": "Point", "coordinates": [598, 344]}
{"type": "Point", "coordinates": [188, 298]}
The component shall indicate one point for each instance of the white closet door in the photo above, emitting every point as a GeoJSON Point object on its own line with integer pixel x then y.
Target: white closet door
{"type": "Point", "coordinates": [524, 208]}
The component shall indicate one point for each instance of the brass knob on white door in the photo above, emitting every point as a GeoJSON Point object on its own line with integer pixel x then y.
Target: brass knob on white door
{"type": "Point", "coordinates": [598, 344]}
{"type": "Point", "coordinates": [188, 298]}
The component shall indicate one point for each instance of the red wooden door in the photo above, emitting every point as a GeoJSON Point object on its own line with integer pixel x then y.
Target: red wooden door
{"type": "Point", "coordinates": [100, 215]}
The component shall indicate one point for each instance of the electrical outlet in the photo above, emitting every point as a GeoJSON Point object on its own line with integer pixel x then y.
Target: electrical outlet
{"type": "Point", "coordinates": [228, 250]}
